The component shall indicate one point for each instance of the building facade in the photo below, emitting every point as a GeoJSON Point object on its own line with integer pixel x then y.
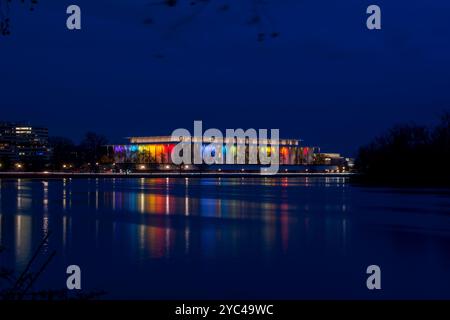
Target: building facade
{"type": "Point", "coordinates": [145, 152]}
{"type": "Point", "coordinates": [23, 143]}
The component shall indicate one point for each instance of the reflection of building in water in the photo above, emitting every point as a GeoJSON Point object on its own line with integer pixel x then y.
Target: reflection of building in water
{"type": "Point", "coordinates": [66, 230]}
{"type": "Point", "coordinates": [23, 236]}
{"type": "Point", "coordinates": [162, 229]}
{"type": "Point", "coordinates": [144, 153]}
{"type": "Point", "coordinates": [23, 198]}
{"type": "Point", "coordinates": [157, 241]}
{"type": "Point", "coordinates": [45, 214]}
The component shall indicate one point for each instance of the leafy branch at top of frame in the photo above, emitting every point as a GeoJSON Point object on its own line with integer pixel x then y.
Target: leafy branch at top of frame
{"type": "Point", "coordinates": [5, 10]}
{"type": "Point", "coordinates": [259, 16]}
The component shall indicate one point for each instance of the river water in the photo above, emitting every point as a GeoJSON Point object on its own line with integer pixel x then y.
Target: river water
{"type": "Point", "coordinates": [236, 238]}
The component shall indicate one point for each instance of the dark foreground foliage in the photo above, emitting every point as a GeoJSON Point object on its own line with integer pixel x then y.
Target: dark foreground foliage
{"type": "Point", "coordinates": [408, 155]}
{"type": "Point", "coordinates": [22, 286]}
{"type": "Point", "coordinates": [5, 13]}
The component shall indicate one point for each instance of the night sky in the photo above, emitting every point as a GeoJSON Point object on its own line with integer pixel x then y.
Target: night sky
{"type": "Point", "coordinates": [138, 68]}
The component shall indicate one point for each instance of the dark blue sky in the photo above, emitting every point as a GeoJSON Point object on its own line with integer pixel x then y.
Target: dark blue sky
{"type": "Point", "coordinates": [325, 79]}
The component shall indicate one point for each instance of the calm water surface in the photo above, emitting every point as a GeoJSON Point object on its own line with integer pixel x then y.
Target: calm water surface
{"type": "Point", "coordinates": [231, 238]}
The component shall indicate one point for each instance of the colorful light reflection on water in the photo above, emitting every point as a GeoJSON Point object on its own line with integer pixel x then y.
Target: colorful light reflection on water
{"type": "Point", "coordinates": [154, 232]}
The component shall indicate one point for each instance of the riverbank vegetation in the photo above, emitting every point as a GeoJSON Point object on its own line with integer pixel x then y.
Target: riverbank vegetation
{"type": "Point", "coordinates": [85, 156]}
{"type": "Point", "coordinates": [408, 154]}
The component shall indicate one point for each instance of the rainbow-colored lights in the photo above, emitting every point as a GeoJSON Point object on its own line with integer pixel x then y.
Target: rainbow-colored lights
{"type": "Point", "coordinates": [160, 153]}
{"type": "Point", "coordinates": [143, 153]}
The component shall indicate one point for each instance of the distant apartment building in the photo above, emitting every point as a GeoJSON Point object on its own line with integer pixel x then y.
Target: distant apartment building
{"type": "Point", "coordinates": [23, 143]}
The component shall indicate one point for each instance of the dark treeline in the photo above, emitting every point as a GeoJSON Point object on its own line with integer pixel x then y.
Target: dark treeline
{"type": "Point", "coordinates": [87, 155]}
{"type": "Point", "coordinates": [408, 154]}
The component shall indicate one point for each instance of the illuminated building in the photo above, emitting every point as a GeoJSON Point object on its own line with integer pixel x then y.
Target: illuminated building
{"type": "Point", "coordinates": [143, 153]}
{"type": "Point", "coordinates": [23, 142]}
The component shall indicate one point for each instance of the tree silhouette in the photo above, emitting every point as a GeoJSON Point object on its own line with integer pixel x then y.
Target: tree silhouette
{"type": "Point", "coordinates": [169, 18]}
{"type": "Point", "coordinates": [408, 154]}
{"type": "Point", "coordinates": [64, 151]}
{"type": "Point", "coordinates": [5, 10]}
{"type": "Point", "coordinates": [256, 16]}
{"type": "Point", "coordinates": [92, 147]}
{"type": "Point", "coordinates": [180, 14]}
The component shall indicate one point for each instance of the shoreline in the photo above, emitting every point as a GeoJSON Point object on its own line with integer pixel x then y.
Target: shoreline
{"type": "Point", "coordinates": [400, 181]}
{"type": "Point", "coordinates": [44, 175]}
